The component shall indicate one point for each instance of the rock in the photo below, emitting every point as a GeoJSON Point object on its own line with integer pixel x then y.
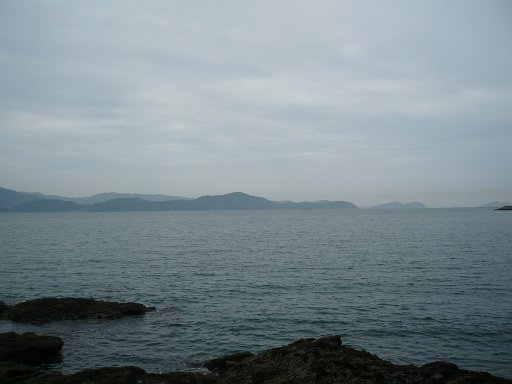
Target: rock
{"type": "Point", "coordinates": [29, 348]}
{"type": "Point", "coordinates": [324, 360]}
{"type": "Point", "coordinates": [49, 309]}
{"type": "Point", "coordinates": [3, 307]}
{"type": "Point", "coordinates": [13, 373]}
{"type": "Point", "coordinates": [223, 362]}
{"type": "Point", "coordinates": [108, 375]}
{"type": "Point", "coordinates": [135, 375]}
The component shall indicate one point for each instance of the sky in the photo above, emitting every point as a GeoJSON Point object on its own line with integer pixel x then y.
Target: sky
{"type": "Point", "coordinates": [364, 101]}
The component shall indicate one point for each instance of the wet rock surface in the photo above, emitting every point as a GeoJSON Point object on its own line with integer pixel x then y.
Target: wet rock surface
{"type": "Point", "coordinates": [50, 309]}
{"type": "Point", "coordinates": [3, 307]}
{"type": "Point", "coordinates": [323, 360]}
{"type": "Point", "coordinates": [12, 373]}
{"type": "Point", "coordinates": [326, 360]}
{"type": "Point", "coordinates": [29, 348]}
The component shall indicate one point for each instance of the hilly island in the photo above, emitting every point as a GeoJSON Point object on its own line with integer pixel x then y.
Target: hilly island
{"type": "Point", "coordinates": [14, 201]}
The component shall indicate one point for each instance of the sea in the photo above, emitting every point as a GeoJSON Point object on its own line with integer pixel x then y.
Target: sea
{"type": "Point", "coordinates": [412, 286]}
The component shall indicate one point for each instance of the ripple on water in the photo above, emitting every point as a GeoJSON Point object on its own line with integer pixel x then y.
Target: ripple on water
{"type": "Point", "coordinates": [410, 286]}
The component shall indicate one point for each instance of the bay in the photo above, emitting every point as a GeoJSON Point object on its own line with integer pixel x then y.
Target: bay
{"type": "Point", "coordinates": [412, 286]}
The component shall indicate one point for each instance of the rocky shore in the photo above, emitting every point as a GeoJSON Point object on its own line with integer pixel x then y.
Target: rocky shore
{"type": "Point", "coordinates": [323, 360]}
{"type": "Point", "coordinates": [50, 309]}
{"type": "Point", "coordinates": [29, 348]}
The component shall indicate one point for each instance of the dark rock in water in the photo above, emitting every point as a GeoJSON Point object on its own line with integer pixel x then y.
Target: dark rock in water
{"type": "Point", "coordinates": [223, 362]}
{"type": "Point", "coordinates": [45, 310]}
{"type": "Point", "coordinates": [135, 375]}
{"type": "Point", "coordinates": [13, 373]}
{"type": "Point", "coordinates": [324, 360]}
{"type": "Point", "coordinates": [505, 208]}
{"type": "Point", "coordinates": [29, 348]}
{"type": "Point", "coordinates": [3, 307]}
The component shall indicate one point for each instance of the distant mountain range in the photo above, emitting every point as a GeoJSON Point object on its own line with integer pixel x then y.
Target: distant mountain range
{"type": "Point", "coordinates": [101, 197]}
{"type": "Point", "coordinates": [14, 201]}
{"type": "Point", "coordinates": [398, 205]}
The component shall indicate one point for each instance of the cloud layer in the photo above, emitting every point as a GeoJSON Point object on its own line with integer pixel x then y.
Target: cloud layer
{"type": "Point", "coordinates": [362, 101]}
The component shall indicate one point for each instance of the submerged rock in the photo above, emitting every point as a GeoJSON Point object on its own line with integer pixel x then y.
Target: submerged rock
{"type": "Point", "coordinates": [324, 360]}
{"type": "Point", "coordinates": [49, 309]}
{"type": "Point", "coordinates": [29, 348]}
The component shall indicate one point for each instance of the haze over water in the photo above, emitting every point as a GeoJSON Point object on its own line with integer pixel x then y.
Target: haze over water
{"type": "Point", "coordinates": [410, 286]}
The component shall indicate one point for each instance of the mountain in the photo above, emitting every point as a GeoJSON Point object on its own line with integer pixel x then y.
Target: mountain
{"type": "Point", "coordinates": [398, 205]}
{"type": "Point", "coordinates": [48, 205]}
{"type": "Point", "coordinates": [323, 204]}
{"type": "Point", "coordinates": [231, 201]}
{"type": "Point", "coordinates": [106, 196]}
{"type": "Point", "coordinates": [8, 197]}
{"type": "Point", "coordinates": [125, 204]}
{"type": "Point", "coordinates": [136, 204]}
{"type": "Point", "coordinates": [13, 201]}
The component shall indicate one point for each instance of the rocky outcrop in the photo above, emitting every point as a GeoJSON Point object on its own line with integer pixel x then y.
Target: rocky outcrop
{"type": "Point", "coordinates": [29, 348]}
{"type": "Point", "coordinates": [135, 375]}
{"type": "Point", "coordinates": [323, 360]}
{"type": "Point", "coordinates": [12, 373]}
{"type": "Point", "coordinates": [49, 309]}
{"type": "Point", "coordinates": [326, 360]}
{"type": "Point", "coordinates": [3, 307]}
{"type": "Point", "coordinates": [505, 208]}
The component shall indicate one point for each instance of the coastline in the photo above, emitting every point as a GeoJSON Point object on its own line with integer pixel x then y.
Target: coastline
{"type": "Point", "coordinates": [322, 360]}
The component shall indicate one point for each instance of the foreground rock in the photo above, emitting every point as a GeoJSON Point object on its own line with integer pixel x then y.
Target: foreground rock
{"type": "Point", "coordinates": [29, 348]}
{"type": "Point", "coordinates": [12, 373]}
{"type": "Point", "coordinates": [326, 360]}
{"type": "Point", "coordinates": [323, 360]}
{"type": "Point", "coordinates": [49, 309]}
{"type": "Point", "coordinates": [3, 307]}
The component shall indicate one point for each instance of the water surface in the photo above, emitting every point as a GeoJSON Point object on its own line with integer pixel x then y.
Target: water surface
{"type": "Point", "coordinates": [410, 286]}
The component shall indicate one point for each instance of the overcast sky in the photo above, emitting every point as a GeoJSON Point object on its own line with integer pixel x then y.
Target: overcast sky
{"type": "Point", "coordinates": [365, 101]}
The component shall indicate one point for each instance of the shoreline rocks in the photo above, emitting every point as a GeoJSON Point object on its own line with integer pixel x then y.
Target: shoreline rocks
{"type": "Point", "coordinates": [324, 360]}
{"type": "Point", "coordinates": [44, 310]}
{"type": "Point", "coordinates": [3, 307]}
{"type": "Point", "coordinates": [29, 348]}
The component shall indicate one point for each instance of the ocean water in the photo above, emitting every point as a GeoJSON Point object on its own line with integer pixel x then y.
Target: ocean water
{"type": "Point", "coordinates": [410, 286]}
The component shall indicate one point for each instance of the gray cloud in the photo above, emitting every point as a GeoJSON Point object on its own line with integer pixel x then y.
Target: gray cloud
{"type": "Point", "coordinates": [361, 101]}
